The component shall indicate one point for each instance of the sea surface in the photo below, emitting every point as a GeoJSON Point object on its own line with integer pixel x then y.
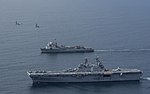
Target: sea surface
{"type": "Point", "coordinates": [118, 30]}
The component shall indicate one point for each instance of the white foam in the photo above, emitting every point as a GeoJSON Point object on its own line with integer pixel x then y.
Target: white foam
{"type": "Point", "coordinates": [122, 50]}
{"type": "Point", "coordinates": [146, 78]}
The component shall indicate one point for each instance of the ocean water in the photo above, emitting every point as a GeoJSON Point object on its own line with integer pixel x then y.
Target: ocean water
{"type": "Point", "coordinates": [119, 31]}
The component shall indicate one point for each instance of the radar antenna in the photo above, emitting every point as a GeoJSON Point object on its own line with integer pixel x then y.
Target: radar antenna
{"type": "Point", "coordinates": [99, 62]}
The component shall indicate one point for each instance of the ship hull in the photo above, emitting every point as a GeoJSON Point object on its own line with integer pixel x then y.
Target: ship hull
{"type": "Point", "coordinates": [86, 78]}
{"type": "Point", "coordinates": [43, 50]}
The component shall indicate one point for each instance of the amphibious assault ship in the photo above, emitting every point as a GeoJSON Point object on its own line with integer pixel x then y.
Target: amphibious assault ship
{"type": "Point", "coordinates": [86, 73]}
{"type": "Point", "coordinates": [53, 47]}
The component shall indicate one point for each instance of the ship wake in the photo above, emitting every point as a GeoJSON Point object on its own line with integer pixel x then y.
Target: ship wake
{"type": "Point", "coordinates": [146, 78]}
{"type": "Point", "coordinates": [123, 50]}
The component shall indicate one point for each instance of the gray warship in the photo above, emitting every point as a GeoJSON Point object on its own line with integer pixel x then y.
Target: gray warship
{"type": "Point", "coordinates": [86, 73]}
{"type": "Point", "coordinates": [53, 47]}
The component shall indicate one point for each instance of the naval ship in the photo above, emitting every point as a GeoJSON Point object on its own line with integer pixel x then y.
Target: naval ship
{"type": "Point", "coordinates": [52, 47]}
{"type": "Point", "coordinates": [86, 73]}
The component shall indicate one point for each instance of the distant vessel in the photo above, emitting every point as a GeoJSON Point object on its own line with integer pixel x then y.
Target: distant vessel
{"type": "Point", "coordinates": [87, 73]}
{"type": "Point", "coordinates": [17, 23]}
{"type": "Point", "coordinates": [52, 47]}
{"type": "Point", "coordinates": [37, 26]}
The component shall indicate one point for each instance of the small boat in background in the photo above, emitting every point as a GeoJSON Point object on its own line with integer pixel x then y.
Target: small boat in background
{"type": "Point", "coordinates": [17, 23]}
{"type": "Point", "coordinates": [37, 26]}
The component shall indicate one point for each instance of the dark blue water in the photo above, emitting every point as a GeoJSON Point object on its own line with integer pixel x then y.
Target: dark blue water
{"type": "Point", "coordinates": [119, 30]}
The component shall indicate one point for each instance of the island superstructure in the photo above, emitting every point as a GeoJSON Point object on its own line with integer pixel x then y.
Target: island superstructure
{"type": "Point", "coordinates": [53, 47]}
{"type": "Point", "coordinates": [86, 73]}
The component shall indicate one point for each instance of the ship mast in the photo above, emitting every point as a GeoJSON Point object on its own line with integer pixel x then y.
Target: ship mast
{"type": "Point", "coordinates": [99, 63]}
